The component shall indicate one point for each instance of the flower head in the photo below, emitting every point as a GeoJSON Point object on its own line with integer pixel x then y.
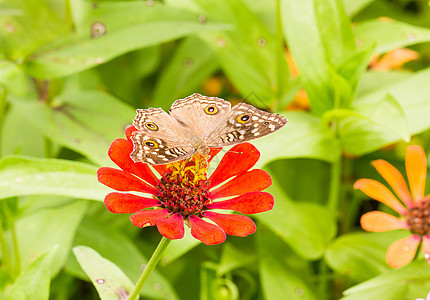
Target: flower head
{"type": "Point", "coordinates": [413, 207]}
{"type": "Point", "coordinates": [183, 193]}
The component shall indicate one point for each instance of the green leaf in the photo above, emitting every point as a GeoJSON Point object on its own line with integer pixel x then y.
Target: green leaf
{"type": "Point", "coordinates": [307, 47]}
{"type": "Point", "coordinates": [116, 27]}
{"type": "Point", "coordinates": [335, 30]}
{"type": "Point", "coordinates": [320, 39]}
{"type": "Point", "coordinates": [306, 227]}
{"type": "Point", "coordinates": [193, 62]}
{"type": "Point", "coordinates": [360, 136]}
{"type": "Point", "coordinates": [353, 7]}
{"type": "Point", "coordinates": [29, 25]}
{"type": "Point", "coordinates": [15, 140]}
{"type": "Point", "coordinates": [282, 272]}
{"type": "Point", "coordinates": [124, 75]}
{"type": "Point", "coordinates": [116, 247]}
{"type": "Point", "coordinates": [214, 287]}
{"type": "Point", "coordinates": [20, 176]}
{"type": "Point", "coordinates": [389, 34]}
{"type": "Point", "coordinates": [360, 133]}
{"type": "Point", "coordinates": [13, 78]}
{"type": "Point", "coordinates": [109, 280]}
{"type": "Point", "coordinates": [409, 282]}
{"type": "Point", "coordinates": [361, 256]}
{"type": "Point", "coordinates": [303, 136]}
{"type": "Point", "coordinates": [372, 81]}
{"type": "Point", "coordinates": [34, 281]}
{"type": "Point", "coordinates": [349, 74]}
{"type": "Point", "coordinates": [250, 55]}
{"type": "Point", "coordinates": [45, 228]}
{"type": "Point", "coordinates": [84, 121]}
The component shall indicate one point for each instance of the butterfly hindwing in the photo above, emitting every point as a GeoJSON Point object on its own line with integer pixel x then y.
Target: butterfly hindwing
{"type": "Point", "coordinates": [245, 123]}
{"type": "Point", "coordinates": [156, 151]}
{"type": "Point", "coordinates": [159, 138]}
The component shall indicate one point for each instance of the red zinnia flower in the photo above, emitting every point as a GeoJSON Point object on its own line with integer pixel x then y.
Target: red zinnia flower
{"type": "Point", "coordinates": [414, 206]}
{"type": "Point", "coordinates": [185, 194]}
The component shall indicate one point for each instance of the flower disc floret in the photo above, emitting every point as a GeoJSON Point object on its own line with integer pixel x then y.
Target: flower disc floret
{"type": "Point", "coordinates": [418, 219]}
{"type": "Point", "coordinates": [185, 197]}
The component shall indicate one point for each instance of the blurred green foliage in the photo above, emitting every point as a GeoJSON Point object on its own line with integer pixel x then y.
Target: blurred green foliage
{"type": "Point", "coordinates": [72, 72]}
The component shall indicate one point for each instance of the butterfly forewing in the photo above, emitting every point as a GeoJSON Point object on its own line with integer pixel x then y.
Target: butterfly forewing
{"type": "Point", "coordinates": [201, 114]}
{"type": "Point", "coordinates": [245, 123]}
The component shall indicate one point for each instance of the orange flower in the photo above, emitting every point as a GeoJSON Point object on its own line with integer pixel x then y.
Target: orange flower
{"type": "Point", "coordinates": [414, 207]}
{"type": "Point", "coordinates": [394, 59]}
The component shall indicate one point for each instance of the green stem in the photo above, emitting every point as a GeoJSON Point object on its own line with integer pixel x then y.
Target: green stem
{"type": "Point", "coordinates": [323, 280]}
{"type": "Point", "coordinates": [2, 109]}
{"type": "Point", "coordinates": [156, 256]}
{"type": "Point", "coordinates": [5, 251]}
{"type": "Point", "coordinates": [11, 221]}
{"type": "Point", "coordinates": [16, 250]}
{"type": "Point", "coordinates": [49, 148]}
{"type": "Point", "coordinates": [333, 205]}
{"type": "Point", "coordinates": [333, 197]}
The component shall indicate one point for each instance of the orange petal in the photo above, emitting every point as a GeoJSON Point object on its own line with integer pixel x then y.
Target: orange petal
{"type": "Point", "coordinates": [395, 179]}
{"type": "Point", "coordinates": [378, 191]}
{"type": "Point", "coordinates": [416, 169]}
{"type": "Point", "coordinates": [402, 252]}
{"type": "Point", "coordinates": [395, 59]}
{"type": "Point", "coordinates": [425, 247]}
{"type": "Point", "coordinates": [379, 221]}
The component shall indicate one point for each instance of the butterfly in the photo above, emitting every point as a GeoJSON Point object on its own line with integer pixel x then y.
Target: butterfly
{"type": "Point", "coordinates": [195, 124]}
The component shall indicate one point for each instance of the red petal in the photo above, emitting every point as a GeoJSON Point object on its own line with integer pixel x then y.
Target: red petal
{"type": "Point", "coordinates": [171, 227]}
{"type": "Point", "coordinates": [161, 169]}
{"type": "Point", "coordinates": [128, 203]}
{"type": "Point", "coordinates": [129, 132]}
{"type": "Point", "coordinates": [249, 203]}
{"type": "Point", "coordinates": [122, 181]}
{"type": "Point", "coordinates": [237, 160]}
{"type": "Point", "coordinates": [232, 224]}
{"type": "Point", "coordinates": [213, 152]}
{"type": "Point", "coordinates": [402, 252]}
{"type": "Point", "coordinates": [120, 151]}
{"type": "Point", "coordinates": [148, 217]}
{"type": "Point", "coordinates": [251, 181]}
{"type": "Point", "coordinates": [207, 233]}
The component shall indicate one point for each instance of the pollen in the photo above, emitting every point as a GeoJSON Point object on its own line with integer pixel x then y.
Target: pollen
{"type": "Point", "coordinates": [184, 189]}
{"type": "Point", "coordinates": [418, 218]}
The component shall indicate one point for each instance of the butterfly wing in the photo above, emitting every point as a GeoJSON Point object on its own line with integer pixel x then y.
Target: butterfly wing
{"type": "Point", "coordinates": [159, 138]}
{"type": "Point", "coordinates": [200, 114]}
{"type": "Point", "coordinates": [245, 123]}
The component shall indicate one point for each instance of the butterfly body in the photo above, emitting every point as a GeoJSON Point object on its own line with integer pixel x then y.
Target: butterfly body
{"type": "Point", "coordinates": [195, 124]}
